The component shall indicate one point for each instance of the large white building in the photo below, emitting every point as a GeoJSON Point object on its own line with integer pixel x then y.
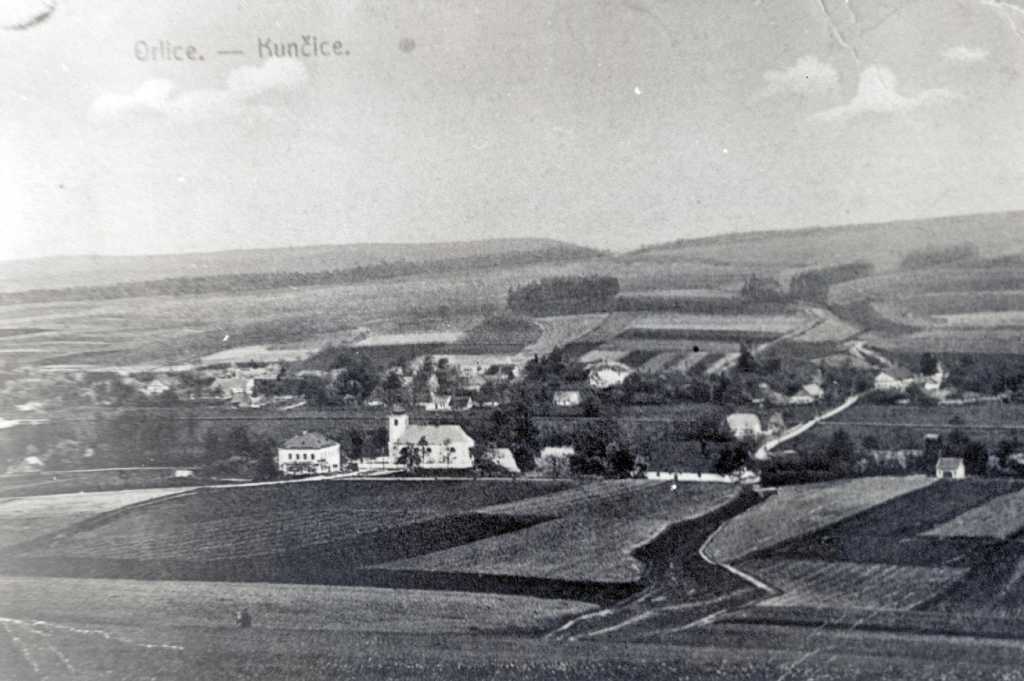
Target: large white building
{"type": "Point", "coordinates": [309, 454]}
{"type": "Point", "coordinates": [438, 446]}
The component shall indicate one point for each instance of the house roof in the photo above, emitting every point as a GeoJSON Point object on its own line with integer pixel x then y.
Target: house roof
{"type": "Point", "coordinates": [558, 451]}
{"type": "Point", "coordinates": [308, 441]}
{"type": "Point", "coordinates": [743, 421]}
{"type": "Point", "coordinates": [899, 373]}
{"type": "Point", "coordinates": [435, 435]}
{"type": "Point", "coordinates": [949, 463]}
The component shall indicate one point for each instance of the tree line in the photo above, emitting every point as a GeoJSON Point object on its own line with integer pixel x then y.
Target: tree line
{"type": "Point", "coordinates": [570, 293]}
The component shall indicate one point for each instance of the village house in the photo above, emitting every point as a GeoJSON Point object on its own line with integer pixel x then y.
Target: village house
{"type": "Point", "coordinates": [503, 457]}
{"type": "Point", "coordinates": [608, 374]}
{"type": "Point", "coordinates": [309, 454]}
{"type": "Point", "coordinates": [462, 403]}
{"type": "Point", "coordinates": [744, 426]}
{"type": "Point", "coordinates": [894, 379]}
{"type": "Point", "coordinates": [567, 396]}
{"type": "Point", "coordinates": [951, 468]}
{"type": "Point", "coordinates": [438, 446]}
{"type": "Point", "coordinates": [808, 394]}
{"type": "Point", "coordinates": [555, 461]}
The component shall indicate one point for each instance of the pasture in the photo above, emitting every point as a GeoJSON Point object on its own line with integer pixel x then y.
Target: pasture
{"type": "Point", "coordinates": [25, 518]}
{"type": "Point", "coordinates": [592, 540]}
{"type": "Point", "coordinates": [800, 509]}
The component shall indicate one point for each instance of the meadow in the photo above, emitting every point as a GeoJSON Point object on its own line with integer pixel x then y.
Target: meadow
{"type": "Point", "coordinates": [602, 530]}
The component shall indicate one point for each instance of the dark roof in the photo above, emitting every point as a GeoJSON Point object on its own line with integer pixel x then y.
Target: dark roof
{"type": "Point", "coordinates": [308, 441]}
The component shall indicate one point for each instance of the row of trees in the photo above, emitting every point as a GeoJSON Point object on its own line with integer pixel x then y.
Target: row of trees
{"type": "Point", "coordinates": [813, 285]}
{"type": "Point", "coordinates": [559, 294]}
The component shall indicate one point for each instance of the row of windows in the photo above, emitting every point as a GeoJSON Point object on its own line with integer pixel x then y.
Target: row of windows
{"type": "Point", "coordinates": [302, 457]}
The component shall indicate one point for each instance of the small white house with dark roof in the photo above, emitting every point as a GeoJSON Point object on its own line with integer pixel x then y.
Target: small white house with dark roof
{"type": "Point", "coordinates": [438, 446]}
{"type": "Point", "coordinates": [950, 468]}
{"type": "Point", "coordinates": [309, 454]}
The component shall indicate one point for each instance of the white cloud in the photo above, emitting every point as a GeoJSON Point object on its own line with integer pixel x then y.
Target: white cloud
{"type": "Point", "coordinates": [808, 76]}
{"type": "Point", "coordinates": [243, 83]}
{"type": "Point", "coordinates": [876, 93]}
{"type": "Point", "coordinates": [962, 53]}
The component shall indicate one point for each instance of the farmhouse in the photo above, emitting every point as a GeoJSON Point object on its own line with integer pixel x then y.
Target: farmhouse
{"type": "Point", "coordinates": [744, 426]}
{"type": "Point", "coordinates": [567, 396]}
{"type": "Point", "coordinates": [894, 379]}
{"type": "Point", "coordinates": [438, 446]}
{"type": "Point", "coordinates": [950, 467]}
{"type": "Point", "coordinates": [503, 457]}
{"type": "Point", "coordinates": [608, 374]}
{"type": "Point", "coordinates": [309, 454]}
{"type": "Point", "coordinates": [808, 394]}
{"type": "Point", "coordinates": [554, 461]}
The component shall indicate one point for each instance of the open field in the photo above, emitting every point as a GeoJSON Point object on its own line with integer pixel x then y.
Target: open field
{"type": "Point", "coordinates": [1000, 518]}
{"type": "Point", "coordinates": [800, 509]}
{"type": "Point", "coordinates": [765, 324]}
{"type": "Point", "coordinates": [161, 631]}
{"type": "Point", "coordinates": [560, 331]}
{"type": "Point", "coordinates": [304, 607]}
{"type": "Point", "coordinates": [893, 532]}
{"type": "Point", "coordinates": [236, 523]}
{"type": "Point", "coordinates": [868, 586]}
{"type": "Point", "coordinates": [602, 535]}
{"type": "Point", "coordinates": [25, 518]}
{"type": "Point", "coordinates": [100, 480]}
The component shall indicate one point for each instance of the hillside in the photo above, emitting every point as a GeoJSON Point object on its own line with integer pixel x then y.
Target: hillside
{"type": "Point", "coordinates": [100, 270]}
{"type": "Point", "coordinates": [883, 244]}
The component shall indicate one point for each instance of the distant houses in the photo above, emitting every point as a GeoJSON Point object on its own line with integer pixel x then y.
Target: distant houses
{"type": "Point", "coordinates": [309, 453]}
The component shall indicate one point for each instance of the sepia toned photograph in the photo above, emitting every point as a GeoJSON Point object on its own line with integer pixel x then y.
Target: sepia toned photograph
{"type": "Point", "coordinates": [546, 340]}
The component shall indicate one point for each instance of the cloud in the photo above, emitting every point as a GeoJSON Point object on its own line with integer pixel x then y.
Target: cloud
{"type": "Point", "coordinates": [967, 55]}
{"type": "Point", "coordinates": [243, 84]}
{"type": "Point", "coordinates": [876, 93]}
{"type": "Point", "coordinates": [809, 76]}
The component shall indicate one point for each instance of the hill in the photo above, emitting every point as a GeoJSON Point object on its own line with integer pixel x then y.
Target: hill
{"type": "Point", "coordinates": [883, 244]}
{"type": "Point", "coordinates": [99, 270]}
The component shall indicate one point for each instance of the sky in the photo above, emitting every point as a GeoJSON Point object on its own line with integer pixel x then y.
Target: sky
{"type": "Point", "coordinates": [608, 123]}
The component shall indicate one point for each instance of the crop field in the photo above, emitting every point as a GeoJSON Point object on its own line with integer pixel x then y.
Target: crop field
{"type": "Point", "coordinates": [411, 338]}
{"type": "Point", "coordinates": [1000, 518]}
{"type": "Point", "coordinates": [662, 361]}
{"type": "Point", "coordinates": [869, 586]}
{"type": "Point", "coordinates": [1013, 318]}
{"type": "Point", "coordinates": [799, 509]}
{"type": "Point", "coordinates": [603, 355]}
{"type": "Point", "coordinates": [765, 324]}
{"type": "Point", "coordinates": [575, 499]}
{"type": "Point", "coordinates": [937, 280]}
{"type": "Point", "coordinates": [61, 482]}
{"type": "Point", "coordinates": [996, 341]}
{"type": "Point", "coordinates": [227, 525]}
{"type": "Point", "coordinates": [893, 532]}
{"type": "Point", "coordinates": [292, 606]}
{"type": "Point", "coordinates": [25, 518]}
{"type": "Point", "coordinates": [602, 537]}
{"type": "Point", "coordinates": [560, 331]}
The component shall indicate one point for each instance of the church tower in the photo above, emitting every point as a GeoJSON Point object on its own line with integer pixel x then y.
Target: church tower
{"type": "Point", "coordinates": [397, 423]}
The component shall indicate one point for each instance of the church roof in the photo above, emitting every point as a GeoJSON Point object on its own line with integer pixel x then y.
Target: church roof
{"type": "Point", "coordinates": [435, 435]}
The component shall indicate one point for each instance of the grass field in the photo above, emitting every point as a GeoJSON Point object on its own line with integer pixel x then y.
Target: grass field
{"type": "Point", "coordinates": [1000, 518]}
{"type": "Point", "coordinates": [796, 510]}
{"type": "Point", "coordinates": [868, 586]}
{"type": "Point", "coordinates": [593, 541]}
{"type": "Point", "coordinates": [25, 518]}
{"type": "Point", "coordinates": [237, 523]}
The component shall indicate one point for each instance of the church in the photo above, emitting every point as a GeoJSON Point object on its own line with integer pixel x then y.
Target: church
{"type": "Point", "coordinates": [439, 446]}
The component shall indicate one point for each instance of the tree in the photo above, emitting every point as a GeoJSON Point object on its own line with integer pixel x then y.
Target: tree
{"type": "Point", "coordinates": [929, 364]}
{"type": "Point", "coordinates": [410, 457]}
{"type": "Point", "coordinates": [355, 436]}
{"type": "Point", "coordinates": [707, 427]}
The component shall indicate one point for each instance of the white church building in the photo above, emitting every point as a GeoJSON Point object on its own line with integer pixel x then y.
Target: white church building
{"type": "Point", "coordinates": [439, 446]}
